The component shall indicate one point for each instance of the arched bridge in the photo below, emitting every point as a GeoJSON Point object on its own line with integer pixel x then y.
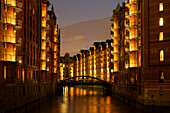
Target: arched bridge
{"type": "Point", "coordinates": [83, 80]}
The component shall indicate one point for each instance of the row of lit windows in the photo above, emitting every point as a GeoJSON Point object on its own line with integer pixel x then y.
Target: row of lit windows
{"type": "Point", "coordinates": [161, 23]}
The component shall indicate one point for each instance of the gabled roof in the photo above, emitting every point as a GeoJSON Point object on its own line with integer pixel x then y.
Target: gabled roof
{"type": "Point", "coordinates": [112, 18]}
{"type": "Point", "coordinates": [91, 49]}
{"type": "Point", "coordinates": [117, 10]}
{"type": "Point", "coordinates": [109, 42]}
{"type": "Point", "coordinates": [103, 44]}
{"type": "Point", "coordinates": [52, 13]}
{"type": "Point", "coordinates": [96, 44]}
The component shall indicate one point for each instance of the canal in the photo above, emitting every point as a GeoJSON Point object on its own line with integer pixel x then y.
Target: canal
{"type": "Point", "coordinates": [80, 99]}
{"type": "Point", "coordinates": [83, 99]}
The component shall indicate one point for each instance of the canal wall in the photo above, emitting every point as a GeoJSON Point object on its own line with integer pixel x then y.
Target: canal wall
{"type": "Point", "coordinates": [159, 103]}
{"type": "Point", "coordinates": [26, 96]}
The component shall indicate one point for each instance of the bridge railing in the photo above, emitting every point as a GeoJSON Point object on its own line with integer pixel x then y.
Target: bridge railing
{"type": "Point", "coordinates": [83, 80]}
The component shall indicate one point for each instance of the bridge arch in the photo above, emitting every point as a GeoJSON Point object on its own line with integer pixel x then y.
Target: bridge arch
{"type": "Point", "coordinates": [84, 80]}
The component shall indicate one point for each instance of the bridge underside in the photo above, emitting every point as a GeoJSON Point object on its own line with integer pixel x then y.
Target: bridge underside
{"type": "Point", "coordinates": [83, 80]}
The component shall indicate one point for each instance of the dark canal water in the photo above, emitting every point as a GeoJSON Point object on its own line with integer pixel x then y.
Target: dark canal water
{"type": "Point", "coordinates": [84, 100]}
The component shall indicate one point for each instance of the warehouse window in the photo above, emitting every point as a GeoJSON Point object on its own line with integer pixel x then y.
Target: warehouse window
{"type": "Point", "coordinates": [161, 22]}
{"type": "Point", "coordinates": [161, 76]}
{"type": "Point", "coordinates": [161, 55]}
{"type": "Point", "coordinates": [160, 6]}
{"type": "Point", "coordinates": [4, 72]}
{"type": "Point", "coordinates": [161, 37]}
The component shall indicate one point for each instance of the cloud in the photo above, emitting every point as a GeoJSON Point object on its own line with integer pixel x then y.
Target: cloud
{"type": "Point", "coordinates": [75, 38]}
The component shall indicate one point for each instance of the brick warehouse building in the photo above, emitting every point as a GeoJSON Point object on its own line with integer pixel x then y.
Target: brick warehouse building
{"type": "Point", "coordinates": [141, 30]}
{"type": "Point", "coordinates": [66, 67]}
{"type": "Point", "coordinates": [94, 62]}
{"type": "Point", "coordinates": [29, 51]}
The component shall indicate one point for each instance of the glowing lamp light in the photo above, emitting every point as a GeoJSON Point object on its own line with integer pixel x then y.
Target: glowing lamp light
{"type": "Point", "coordinates": [48, 59]}
{"type": "Point", "coordinates": [48, 69]}
{"type": "Point", "coordinates": [20, 61]}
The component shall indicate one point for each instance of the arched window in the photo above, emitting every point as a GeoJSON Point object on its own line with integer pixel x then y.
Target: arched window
{"type": "Point", "coordinates": [161, 76]}
{"type": "Point", "coordinates": [161, 7]}
{"type": "Point", "coordinates": [161, 55]}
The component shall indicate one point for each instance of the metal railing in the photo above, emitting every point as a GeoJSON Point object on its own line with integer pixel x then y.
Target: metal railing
{"type": "Point", "coordinates": [132, 12]}
{"type": "Point", "coordinates": [10, 2]}
{"type": "Point", "coordinates": [132, 37]}
{"type": "Point", "coordinates": [133, 64]}
{"type": "Point", "coordinates": [133, 24]}
{"type": "Point", "coordinates": [9, 38]}
{"type": "Point", "coordinates": [9, 57]}
{"type": "Point", "coordinates": [10, 20]}
{"type": "Point", "coordinates": [133, 48]}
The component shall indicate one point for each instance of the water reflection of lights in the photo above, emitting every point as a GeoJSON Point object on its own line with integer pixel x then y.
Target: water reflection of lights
{"type": "Point", "coordinates": [95, 93]}
{"type": "Point", "coordinates": [71, 91]}
{"type": "Point", "coordinates": [77, 91]}
{"type": "Point", "coordinates": [108, 100]}
{"type": "Point", "coordinates": [65, 91]}
{"type": "Point", "coordinates": [64, 105]}
{"type": "Point", "coordinates": [85, 92]}
{"type": "Point", "coordinates": [81, 91]}
{"type": "Point", "coordinates": [91, 92]}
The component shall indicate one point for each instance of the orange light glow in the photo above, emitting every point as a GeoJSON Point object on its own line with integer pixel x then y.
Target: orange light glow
{"type": "Point", "coordinates": [161, 21]}
{"type": "Point", "coordinates": [160, 6]}
{"type": "Point", "coordinates": [162, 55]}
{"type": "Point", "coordinates": [161, 36]}
{"type": "Point", "coordinates": [23, 75]}
{"type": "Point", "coordinates": [4, 72]}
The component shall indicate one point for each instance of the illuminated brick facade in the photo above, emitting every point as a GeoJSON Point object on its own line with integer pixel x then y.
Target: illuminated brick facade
{"type": "Point", "coordinates": [140, 44]}
{"type": "Point", "coordinates": [30, 41]}
{"type": "Point", "coordinates": [29, 51]}
{"type": "Point", "coordinates": [66, 67]}
{"type": "Point", "coordinates": [95, 62]}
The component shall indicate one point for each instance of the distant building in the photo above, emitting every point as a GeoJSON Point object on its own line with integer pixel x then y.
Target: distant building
{"type": "Point", "coordinates": [66, 67]}
{"type": "Point", "coordinates": [94, 62]}
{"type": "Point", "coordinates": [140, 50]}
